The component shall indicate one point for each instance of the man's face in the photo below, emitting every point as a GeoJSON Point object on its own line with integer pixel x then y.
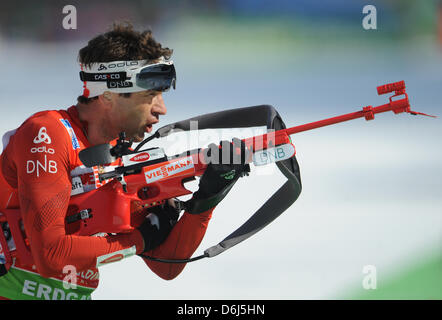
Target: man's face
{"type": "Point", "coordinates": [137, 114]}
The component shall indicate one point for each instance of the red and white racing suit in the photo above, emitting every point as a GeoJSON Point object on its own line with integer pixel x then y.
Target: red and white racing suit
{"type": "Point", "coordinates": [37, 165]}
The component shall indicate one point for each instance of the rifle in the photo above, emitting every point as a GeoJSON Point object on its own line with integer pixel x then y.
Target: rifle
{"type": "Point", "coordinates": [149, 177]}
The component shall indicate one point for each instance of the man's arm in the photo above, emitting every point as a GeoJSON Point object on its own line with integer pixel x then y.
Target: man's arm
{"type": "Point", "coordinates": [181, 243]}
{"type": "Point", "coordinates": [44, 187]}
{"type": "Point", "coordinates": [214, 185]}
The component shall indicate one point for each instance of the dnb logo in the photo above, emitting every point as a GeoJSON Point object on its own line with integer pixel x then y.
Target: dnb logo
{"type": "Point", "coordinates": [42, 165]}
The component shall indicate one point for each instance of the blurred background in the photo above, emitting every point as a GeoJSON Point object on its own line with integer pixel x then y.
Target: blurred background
{"type": "Point", "coordinates": [372, 191]}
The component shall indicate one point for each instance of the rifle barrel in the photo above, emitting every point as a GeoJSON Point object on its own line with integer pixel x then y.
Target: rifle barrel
{"type": "Point", "coordinates": [368, 112]}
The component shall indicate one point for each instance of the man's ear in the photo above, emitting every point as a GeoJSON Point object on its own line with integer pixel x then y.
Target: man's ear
{"type": "Point", "coordinates": [107, 95]}
{"type": "Point", "coordinates": [105, 98]}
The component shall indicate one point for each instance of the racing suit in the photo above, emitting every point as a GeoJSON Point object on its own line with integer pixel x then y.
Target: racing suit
{"type": "Point", "coordinates": [40, 159]}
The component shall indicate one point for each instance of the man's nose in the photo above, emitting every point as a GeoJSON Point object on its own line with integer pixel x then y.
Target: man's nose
{"type": "Point", "coordinates": [159, 105]}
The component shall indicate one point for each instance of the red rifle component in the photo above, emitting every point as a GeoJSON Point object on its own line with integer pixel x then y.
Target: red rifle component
{"type": "Point", "coordinates": [398, 87]}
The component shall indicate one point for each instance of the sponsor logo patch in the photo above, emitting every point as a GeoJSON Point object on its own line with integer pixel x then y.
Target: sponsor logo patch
{"type": "Point", "coordinates": [116, 256]}
{"type": "Point", "coordinates": [42, 137]}
{"type": "Point", "coordinates": [42, 149]}
{"type": "Point", "coordinates": [170, 169]}
{"type": "Point", "coordinates": [38, 167]}
{"type": "Point", "coordinates": [119, 84]}
{"type": "Point", "coordinates": [275, 154]}
{"type": "Point", "coordinates": [74, 140]}
{"type": "Point", "coordinates": [141, 157]}
{"type": "Point", "coordinates": [77, 186]}
{"type": "Point", "coordinates": [150, 155]}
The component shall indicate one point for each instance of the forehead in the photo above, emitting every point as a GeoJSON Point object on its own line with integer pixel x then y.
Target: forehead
{"type": "Point", "coordinates": [146, 93]}
{"type": "Point", "coordinates": [142, 96]}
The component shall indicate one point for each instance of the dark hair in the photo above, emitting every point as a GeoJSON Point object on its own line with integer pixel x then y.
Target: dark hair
{"type": "Point", "coordinates": [122, 42]}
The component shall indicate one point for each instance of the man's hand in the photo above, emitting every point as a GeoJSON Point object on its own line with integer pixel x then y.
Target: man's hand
{"type": "Point", "coordinates": [224, 169]}
{"type": "Point", "coordinates": [158, 224]}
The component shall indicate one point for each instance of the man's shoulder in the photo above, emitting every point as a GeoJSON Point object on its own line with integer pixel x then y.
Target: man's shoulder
{"type": "Point", "coordinates": [47, 117]}
{"type": "Point", "coordinates": [52, 120]}
{"type": "Point", "coordinates": [45, 127]}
